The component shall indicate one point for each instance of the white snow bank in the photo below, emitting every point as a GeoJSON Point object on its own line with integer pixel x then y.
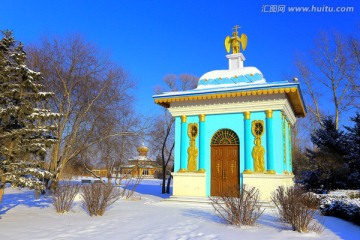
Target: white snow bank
{"type": "Point", "coordinates": [23, 217]}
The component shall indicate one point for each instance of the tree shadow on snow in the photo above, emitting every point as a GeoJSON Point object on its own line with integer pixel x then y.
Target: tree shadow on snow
{"type": "Point", "coordinates": [152, 188]}
{"type": "Point", "coordinates": [204, 215]}
{"type": "Point", "coordinates": [266, 219]}
{"type": "Point", "coordinates": [271, 220]}
{"type": "Point", "coordinates": [342, 228]}
{"type": "Point", "coordinates": [26, 198]}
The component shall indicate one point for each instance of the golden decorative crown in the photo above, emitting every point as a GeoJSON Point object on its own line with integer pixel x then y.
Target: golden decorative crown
{"type": "Point", "coordinates": [142, 150]}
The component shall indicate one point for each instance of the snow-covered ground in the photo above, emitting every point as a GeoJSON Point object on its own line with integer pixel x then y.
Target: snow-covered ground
{"type": "Point", "coordinates": [23, 217]}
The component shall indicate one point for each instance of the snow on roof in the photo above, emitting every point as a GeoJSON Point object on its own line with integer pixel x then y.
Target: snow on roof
{"type": "Point", "coordinates": [141, 158]}
{"type": "Point", "coordinates": [241, 76]}
{"type": "Point", "coordinates": [258, 85]}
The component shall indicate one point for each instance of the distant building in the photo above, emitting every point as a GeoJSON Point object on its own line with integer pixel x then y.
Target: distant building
{"type": "Point", "coordinates": [100, 172]}
{"type": "Point", "coordinates": [141, 165]}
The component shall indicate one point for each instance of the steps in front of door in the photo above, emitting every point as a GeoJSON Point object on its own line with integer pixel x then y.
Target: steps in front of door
{"type": "Point", "coordinates": [203, 201]}
{"type": "Point", "coordinates": [195, 200]}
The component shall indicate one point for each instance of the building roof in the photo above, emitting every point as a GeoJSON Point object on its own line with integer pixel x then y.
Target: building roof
{"type": "Point", "coordinates": [143, 150]}
{"type": "Point", "coordinates": [237, 81]}
{"type": "Point", "coordinates": [140, 158]}
{"type": "Point", "coordinates": [233, 77]}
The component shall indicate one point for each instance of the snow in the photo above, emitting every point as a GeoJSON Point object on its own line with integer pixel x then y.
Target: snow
{"type": "Point", "coordinates": [141, 158]}
{"type": "Point", "coordinates": [29, 70]}
{"type": "Point", "coordinates": [24, 217]}
{"type": "Point", "coordinates": [231, 84]}
{"type": "Point", "coordinates": [344, 192]}
{"type": "Point", "coordinates": [43, 113]}
{"type": "Point", "coordinates": [227, 88]}
{"type": "Point", "coordinates": [46, 93]}
{"type": "Point", "coordinates": [231, 73]}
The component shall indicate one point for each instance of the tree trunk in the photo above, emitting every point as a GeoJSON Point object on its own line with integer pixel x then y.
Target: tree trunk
{"type": "Point", "coordinates": [109, 177]}
{"type": "Point", "coordinates": [168, 184]}
{"type": "Point", "coordinates": [2, 190]}
{"type": "Point", "coordinates": [169, 180]}
{"type": "Point", "coordinates": [337, 117]}
{"type": "Point", "coordinates": [54, 183]}
{"type": "Point", "coordinates": [163, 179]}
{"type": "Point", "coordinates": [2, 187]}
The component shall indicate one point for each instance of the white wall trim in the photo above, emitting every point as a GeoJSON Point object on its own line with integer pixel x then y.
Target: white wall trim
{"type": "Point", "coordinates": [234, 105]}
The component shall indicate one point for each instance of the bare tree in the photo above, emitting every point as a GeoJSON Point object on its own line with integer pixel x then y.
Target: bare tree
{"type": "Point", "coordinates": [162, 142]}
{"type": "Point", "coordinates": [314, 110]}
{"type": "Point", "coordinates": [162, 133]}
{"type": "Point", "coordinates": [87, 86]}
{"type": "Point", "coordinates": [326, 77]}
{"type": "Point", "coordinates": [354, 73]}
{"type": "Point", "coordinates": [116, 150]}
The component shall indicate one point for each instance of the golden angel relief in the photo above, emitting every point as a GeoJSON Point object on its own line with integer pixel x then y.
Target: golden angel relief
{"type": "Point", "coordinates": [192, 149]}
{"type": "Point", "coordinates": [258, 151]}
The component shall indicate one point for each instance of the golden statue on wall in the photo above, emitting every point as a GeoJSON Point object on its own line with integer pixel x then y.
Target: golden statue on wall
{"type": "Point", "coordinates": [234, 41]}
{"type": "Point", "coordinates": [258, 151]}
{"type": "Point", "coordinates": [192, 149]}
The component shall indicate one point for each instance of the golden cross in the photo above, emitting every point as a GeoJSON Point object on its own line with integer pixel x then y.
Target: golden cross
{"type": "Point", "coordinates": [236, 28]}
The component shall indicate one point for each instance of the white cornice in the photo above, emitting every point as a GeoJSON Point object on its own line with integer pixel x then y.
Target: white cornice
{"type": "Point", "coordinates": [233, 105]}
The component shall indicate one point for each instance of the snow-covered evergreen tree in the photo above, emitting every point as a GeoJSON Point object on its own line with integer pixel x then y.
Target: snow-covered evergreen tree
{"type": "Point", "coordinates": [26, 123]}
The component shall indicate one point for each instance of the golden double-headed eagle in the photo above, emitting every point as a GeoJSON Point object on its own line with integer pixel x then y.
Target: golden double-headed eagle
{"type": "Point", "coordinates": [234, 41]}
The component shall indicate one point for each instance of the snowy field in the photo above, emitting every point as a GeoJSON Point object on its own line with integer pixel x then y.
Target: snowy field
{"type": "Point", "coordinates": [24, 217]}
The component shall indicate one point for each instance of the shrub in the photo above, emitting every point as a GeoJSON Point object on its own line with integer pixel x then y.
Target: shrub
{"type": "Point", "coordinates": [63, 196]}
{"type": "Point", "coordinates": [97, 197]}
{"type": "Point", "coordinates": [342, 207]}
{"type": "Point", "coordinates": [354, 195]}
{"type": "Point", "coordinates": [238, 207]}
{"type": "Point", "coordinates": [310, 200]}
{"type": "Point", "coordinates": [130, 186]}
{"type": "Point", "coordinates": [296, 208]}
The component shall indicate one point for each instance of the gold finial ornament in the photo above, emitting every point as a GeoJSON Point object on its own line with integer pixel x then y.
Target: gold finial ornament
{"type": "Point", "coordinates": [142, 150]}
{"type": "Point", "coordinates": [234, 41]}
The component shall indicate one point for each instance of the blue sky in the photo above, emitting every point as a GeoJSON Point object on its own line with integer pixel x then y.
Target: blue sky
{"type": "Point", "coordinates": [153, 38]}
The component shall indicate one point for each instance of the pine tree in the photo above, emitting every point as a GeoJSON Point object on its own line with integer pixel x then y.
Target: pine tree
{"type": "Point", "coordinates": [26, 123]}
{"type": "Point", "coordinates": [328, 166]}
{"type": "Point", "coordinates": [353, 152]}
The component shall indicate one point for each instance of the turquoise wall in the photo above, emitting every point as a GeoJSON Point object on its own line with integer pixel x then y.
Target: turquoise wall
{"type": "Point", "coordinates": [234, 122]}
{"type": "Point", "coordinates": [278, 143]}
{"type": "Point", "coordinates": [213, 123]}
{"type": "Point", "coordinates": [177, 144]}
{"type": "Point", "coordinates": [289, 150]}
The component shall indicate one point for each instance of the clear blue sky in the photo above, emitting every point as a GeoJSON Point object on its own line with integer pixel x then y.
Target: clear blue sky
{"type": "Point", "coordinates": [153, 38]}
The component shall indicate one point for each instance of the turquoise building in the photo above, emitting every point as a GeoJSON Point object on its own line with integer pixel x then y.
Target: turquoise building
{"type": "Point", "coordinates": [233, 129]}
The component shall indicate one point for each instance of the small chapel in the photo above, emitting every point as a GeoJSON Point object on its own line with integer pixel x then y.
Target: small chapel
{"type": "Point", "coordinates": [233, 129]}
{"type": "Point", "coordinates": [141, 165]}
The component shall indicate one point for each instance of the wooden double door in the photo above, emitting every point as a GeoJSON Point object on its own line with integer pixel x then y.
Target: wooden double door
{"type": "Point", "coordinates": [224, 169]}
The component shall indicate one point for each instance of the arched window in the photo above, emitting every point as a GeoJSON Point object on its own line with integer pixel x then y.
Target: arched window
{"type": "Point", "coordinates": [225, 137]}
